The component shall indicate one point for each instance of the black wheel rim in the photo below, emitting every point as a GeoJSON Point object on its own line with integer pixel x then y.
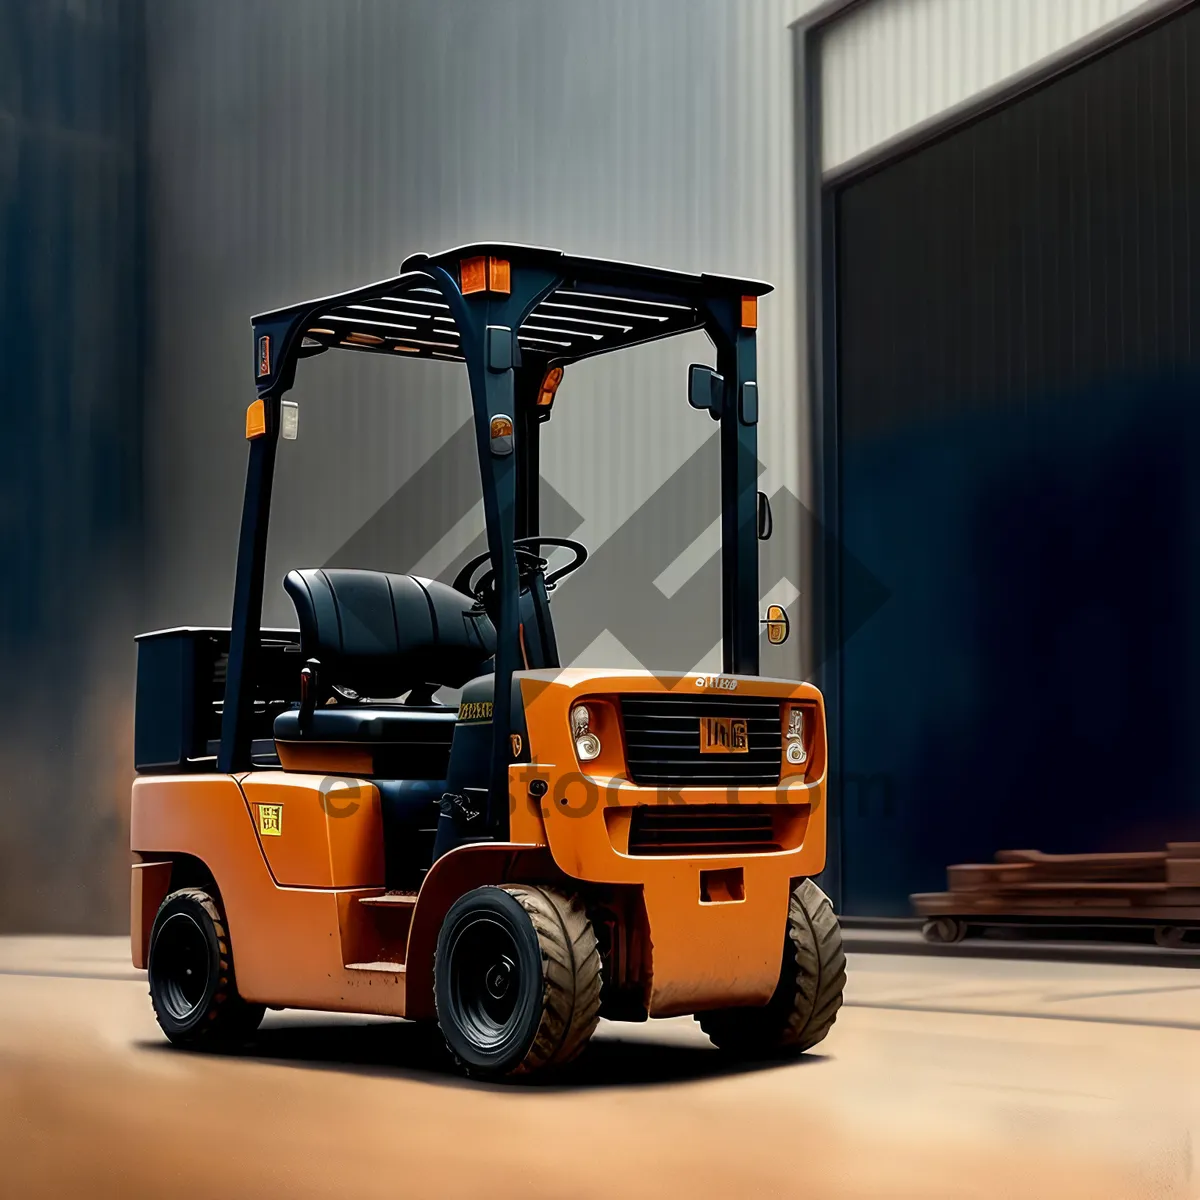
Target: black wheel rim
{"type": "Point", "coordinates": [182, 966]}
{"type": "Point", "coordinates": [485, 981]}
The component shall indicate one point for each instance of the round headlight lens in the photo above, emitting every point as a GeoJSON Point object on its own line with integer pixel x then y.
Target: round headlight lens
{"type": "Point", "coordinates": [587, 747]}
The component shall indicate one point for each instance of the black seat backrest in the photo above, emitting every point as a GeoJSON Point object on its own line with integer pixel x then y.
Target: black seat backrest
{"type": "Point", "coordinates": [381, 635]}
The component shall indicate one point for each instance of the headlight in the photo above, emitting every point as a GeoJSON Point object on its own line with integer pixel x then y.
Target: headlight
{"type": "Point", "coordinates": [587, 744]}
{"type": "Point", "coordinates": [795, 752]}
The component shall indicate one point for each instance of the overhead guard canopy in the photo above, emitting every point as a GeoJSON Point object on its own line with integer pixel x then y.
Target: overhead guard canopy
{"type": "Point", "coordinates": [597, 307]}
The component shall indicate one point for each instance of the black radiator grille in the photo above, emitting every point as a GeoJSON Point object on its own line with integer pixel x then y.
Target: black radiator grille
{"type": "Point", "coordinates": [662, 741]}
{"type": "Point", "coordinates": [702, 829]}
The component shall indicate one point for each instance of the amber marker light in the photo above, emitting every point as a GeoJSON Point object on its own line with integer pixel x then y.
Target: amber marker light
{"type": "Point", "coordinates": [549, 388]}
{"type": "Point", "coordinates": [499, 275]}
{"type": "Point", "coordinates": [777, 623]}
{"type": "Point", "coordinates": [256, 419]}
{"type": "Point", "coordinates": [472, 275]}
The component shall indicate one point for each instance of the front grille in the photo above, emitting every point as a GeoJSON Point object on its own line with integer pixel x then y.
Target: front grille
{"type": "Point", "coordinates": [662, 741]}
{"type": "Point", "coordinates": [702, 829]}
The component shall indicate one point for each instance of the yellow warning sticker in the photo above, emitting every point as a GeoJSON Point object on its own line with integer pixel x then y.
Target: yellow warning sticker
{"type": "Point", "coordinates": [270, 819]}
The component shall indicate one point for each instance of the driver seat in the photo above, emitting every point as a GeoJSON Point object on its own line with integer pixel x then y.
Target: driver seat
{"type": "Point", "coordinates": [373, 634]}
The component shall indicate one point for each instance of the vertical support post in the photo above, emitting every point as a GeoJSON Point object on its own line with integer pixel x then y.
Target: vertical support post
{"type": "Point", "coordinates": [493, 396]}
{"type": "Point", "coordinates": [488, 323]}
{"type": "Point", "coordinates": [737, 361]}
{"type": "Point", "coordinates": [528, 452]}
{"type": "Point", "coordinates": [237, 719]}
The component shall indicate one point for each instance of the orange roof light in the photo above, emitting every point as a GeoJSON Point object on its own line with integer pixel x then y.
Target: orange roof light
{"type": "Point", "coordinates": [550, 382]}
{"type": "Point", "coordinates": [499, 275]}
{"type": "Point", "coordinates": [472, 275]}
{"type": "Point", "coordinates": [749, 312]}
{"type": "Point", "coordinates": [256, 419]}
{"type": "Point", "coordinates": [490, 274]}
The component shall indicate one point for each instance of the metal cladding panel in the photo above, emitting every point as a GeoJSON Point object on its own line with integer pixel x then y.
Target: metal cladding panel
{"type": "Point", "coordinates": [299, 149]}
{"type": "Point", "coordinates": [891, 65]}
{"type": "Point", "coordinates": [70, 456]}
{"type": "Point", "coordinates": [1019, 365]}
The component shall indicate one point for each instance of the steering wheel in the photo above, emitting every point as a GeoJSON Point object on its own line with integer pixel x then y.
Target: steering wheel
{"type": "Point", "coordinates": [529, 563]}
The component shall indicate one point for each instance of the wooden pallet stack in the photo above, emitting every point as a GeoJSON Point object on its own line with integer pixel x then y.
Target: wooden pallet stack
{"type": "Point", "coordinates": [1159, 890]}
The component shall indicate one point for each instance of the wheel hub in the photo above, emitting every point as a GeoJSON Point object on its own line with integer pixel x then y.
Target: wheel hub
{"type": "Point", "coordinates": [182, 966]}
{"type": "Point", "coordinates": [485, 980]}
{"type": "Point", "coordinates": [499, 978]}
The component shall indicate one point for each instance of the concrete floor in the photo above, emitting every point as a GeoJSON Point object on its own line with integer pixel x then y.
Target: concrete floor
{"type": "Point", "coordinates": [944, 1077]}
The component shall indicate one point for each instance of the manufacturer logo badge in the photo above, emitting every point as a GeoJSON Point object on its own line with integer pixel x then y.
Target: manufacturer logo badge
{"type": "Point", "coordinates": [515, 739]}
{"type": "Point", "coordinates": [264, 355]}
{"type": "Point", "coordinates": [722, 683]}
{"type": "Point", "coordinates": [724, 735]}
{"type": "Point", "coordinates": [270, 820]}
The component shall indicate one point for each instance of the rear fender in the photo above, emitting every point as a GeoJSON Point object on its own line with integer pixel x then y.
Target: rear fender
{"type": "Point", "coordinates": [149, 884]}
{"type": "Point", "coordinates": [454, 874]}
{"type": "Point", "coordinates": [152, 879]}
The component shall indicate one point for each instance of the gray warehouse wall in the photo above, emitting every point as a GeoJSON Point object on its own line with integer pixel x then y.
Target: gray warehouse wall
{"type": "Point", "coordinates": [285, 148]}
{"type": "Point", "coordinates": [298, 148]}
{"type": "Point", "coordinates": [70, 456]}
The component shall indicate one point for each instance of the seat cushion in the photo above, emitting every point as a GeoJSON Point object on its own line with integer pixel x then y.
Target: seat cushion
{"type": "Point", "coordinates": [399, 741]}
{"type": "Point", "coordinates": [370, 723]}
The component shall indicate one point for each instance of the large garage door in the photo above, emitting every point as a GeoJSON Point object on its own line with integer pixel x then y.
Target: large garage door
{"type": "Point", "coordinates": [1018, 311]}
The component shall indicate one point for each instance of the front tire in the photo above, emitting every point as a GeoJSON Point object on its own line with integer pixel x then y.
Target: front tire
{"type": "Point", "coordinates": [806, 1001]}
{"type": "Point", "coordinates": [516, 980]}
{"type": "Point", "coordinates": [192, 985]}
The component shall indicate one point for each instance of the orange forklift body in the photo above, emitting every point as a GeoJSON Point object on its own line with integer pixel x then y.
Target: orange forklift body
{"type": "Point", "coordinates": [298, 859]}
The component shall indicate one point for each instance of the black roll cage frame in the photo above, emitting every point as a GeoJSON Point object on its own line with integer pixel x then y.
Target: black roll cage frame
{"type": "Point", "coordinates": [512, 314]}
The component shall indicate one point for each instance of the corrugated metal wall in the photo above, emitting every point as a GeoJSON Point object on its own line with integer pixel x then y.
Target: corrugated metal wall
{"type": "Point", "coordinates": [1019, 368]}
{"type": "Point", "coordinates": [70, 455]}
{"type": "Point", "coordinates": [891, 65]}
{"type": "Point", "coordinates": [298, 147]}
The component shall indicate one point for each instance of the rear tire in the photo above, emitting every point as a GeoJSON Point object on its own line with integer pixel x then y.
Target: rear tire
{"type": "Point", "coordinates": [806, 1002]}
{"type": "Point", "coordinates": [516, 980]}
{"type": "Point", "coordinates": [192, 985]}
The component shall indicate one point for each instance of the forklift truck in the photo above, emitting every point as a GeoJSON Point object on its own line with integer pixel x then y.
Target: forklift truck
{"type": "Point", "coordinates": [312, 828]}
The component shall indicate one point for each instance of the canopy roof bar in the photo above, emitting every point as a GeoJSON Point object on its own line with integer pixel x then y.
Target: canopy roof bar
{"type": "Point", "coordinates": [599, 306]}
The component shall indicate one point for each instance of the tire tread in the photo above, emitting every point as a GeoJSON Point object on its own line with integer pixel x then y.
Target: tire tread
{"type": "Point", "coordinates": [812, 981]}
{"type": "Point", "coordinates": [571, 976]}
